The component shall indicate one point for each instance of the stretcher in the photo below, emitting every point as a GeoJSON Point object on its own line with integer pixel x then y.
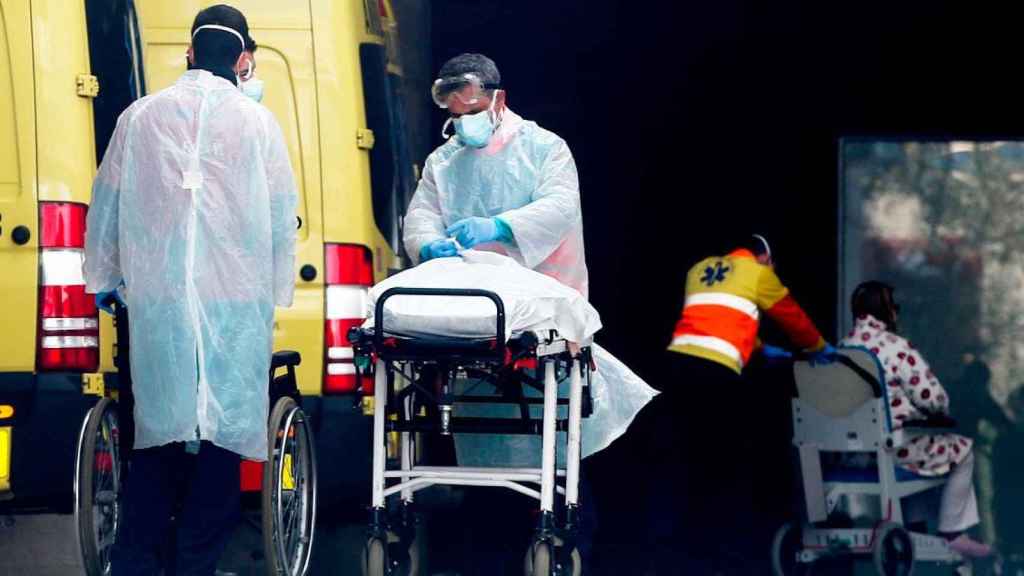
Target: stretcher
{"type": "Point", "coordinates": [415, 395]}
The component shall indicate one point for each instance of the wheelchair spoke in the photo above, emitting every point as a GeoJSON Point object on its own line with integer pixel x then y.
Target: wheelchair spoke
{"type": "Point", "coordinates": [106, 539]}
{"type": "Point", "coordinates": [294, 533]}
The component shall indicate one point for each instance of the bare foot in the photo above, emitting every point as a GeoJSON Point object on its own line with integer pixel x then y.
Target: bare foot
{"type": "Point", "coordinates": [966, 546]}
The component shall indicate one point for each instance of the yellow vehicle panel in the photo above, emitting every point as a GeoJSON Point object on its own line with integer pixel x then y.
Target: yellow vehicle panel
{"type": "Point", "coordinates": [260, 14]}
{"type": "Point", "coordinates": [61, 53]}
{"type": "Point", "coordinates": [339, 29]}
{"type": "Point", "coordinates": [65, 151]}
{"type": "Point", "coordinates": [17, 191]}
{"type": "Point", "coordinates": [308, 57]}
{"type": "Point", "coordinates": [5, 458]}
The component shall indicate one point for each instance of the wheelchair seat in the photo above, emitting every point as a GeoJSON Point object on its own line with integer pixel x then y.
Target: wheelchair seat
{"type": "Point", "coordinates": [864, 475]}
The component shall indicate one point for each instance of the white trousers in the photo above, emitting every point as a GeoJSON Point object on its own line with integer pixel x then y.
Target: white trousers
{"type": "Point", "coordinates": [958, 509]}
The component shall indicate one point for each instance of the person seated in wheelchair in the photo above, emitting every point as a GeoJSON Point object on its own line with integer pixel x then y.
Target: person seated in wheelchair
{"type": "Point", "coordinates": [915, 394]}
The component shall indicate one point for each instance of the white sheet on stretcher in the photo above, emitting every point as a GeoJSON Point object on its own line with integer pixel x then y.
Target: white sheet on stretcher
{"type": "Point", "coordinates": [532, 301]}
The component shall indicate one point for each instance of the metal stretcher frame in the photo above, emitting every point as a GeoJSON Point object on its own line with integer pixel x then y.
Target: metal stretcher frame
{"type": "Point", "coordinates": [454, 355]}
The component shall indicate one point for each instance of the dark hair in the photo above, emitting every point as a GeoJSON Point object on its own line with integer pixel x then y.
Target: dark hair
{"type": "Point", "coordinates": [483, 67]}
{"type": "Point", "coordinates": [874, 298]}
{"type": "Point", "coordinates": [217, 49]}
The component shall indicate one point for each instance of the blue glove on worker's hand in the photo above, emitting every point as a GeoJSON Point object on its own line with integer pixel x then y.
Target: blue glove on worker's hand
{"type": "Point", "coordinates": [105, 301]}
{"type": "Point", "coordinates": [442, 248]}
{"type": "Point", "coordinates": [475, 230]}
{"type": "Point", "coordinates": [775, 353]}
{"type": "Point", "coordinates": [826, 355]}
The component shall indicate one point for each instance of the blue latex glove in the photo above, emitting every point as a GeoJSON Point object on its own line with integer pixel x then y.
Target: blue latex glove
{"type": "Point", "coordinates": [442, 248]}
{"type": "Point", "coordinates": [475, 230]}
{"type": "Point", "coordinates": [105, 300]}
{"type": "Point", "coordinates": [775, 353]}
{"type": "Point", "coordinates": [826, 355]}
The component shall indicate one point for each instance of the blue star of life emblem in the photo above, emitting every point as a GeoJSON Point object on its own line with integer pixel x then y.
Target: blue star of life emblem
{"type": "Point", "coordinates": [716, 273]}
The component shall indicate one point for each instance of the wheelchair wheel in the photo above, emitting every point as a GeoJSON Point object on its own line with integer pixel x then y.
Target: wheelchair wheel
{"type": "Point", "coordinates": [289, 491]}
{"type": "Point", "coordinates": [98, 486]}
{"type": "Point", "coordinates": [408, 558]}
{"type": "Point", "coordinates": [788, 542]}
{"type": "Point", "coordinates": [893, 552]}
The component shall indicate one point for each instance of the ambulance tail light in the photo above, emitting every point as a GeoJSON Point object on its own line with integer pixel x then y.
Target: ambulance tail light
{"type": "Point", "coordinates": [349, 275]}
{"type": "Point", "coordinates": [68, 331]}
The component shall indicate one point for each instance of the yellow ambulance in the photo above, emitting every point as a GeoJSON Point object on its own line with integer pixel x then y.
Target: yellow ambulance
{"type": "Point", "coordinates": [67, 69]}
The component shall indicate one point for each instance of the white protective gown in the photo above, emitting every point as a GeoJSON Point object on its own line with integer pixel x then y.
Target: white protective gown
{"type": "Point", "coordinates": [194, 209]}
{"type": "Point", "coordinates": [526, 176]}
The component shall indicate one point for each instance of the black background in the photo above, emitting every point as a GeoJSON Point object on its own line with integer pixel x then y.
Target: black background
{"type": "Point", "coordinates": [695, 123]}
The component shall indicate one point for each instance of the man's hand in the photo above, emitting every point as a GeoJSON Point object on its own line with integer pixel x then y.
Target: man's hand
{"type": "Point", "coordinates": [474, 230]}
{"type": "Point", "coordinates": [105, 301]}
{"type": "Point", "coordinates": [442, 248]}
{"type": "Point", "coordinates": [826, 355]}
{"type": "Point", "coordinates": [775, 353]}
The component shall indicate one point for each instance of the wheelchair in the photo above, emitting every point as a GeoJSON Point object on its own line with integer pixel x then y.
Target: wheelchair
{"type": "Point", "coordinates": [417, 392]}
{"type": "Point", "coordinates": [845, 443]}
{"type": "Point", "coordinates": [288, 494]}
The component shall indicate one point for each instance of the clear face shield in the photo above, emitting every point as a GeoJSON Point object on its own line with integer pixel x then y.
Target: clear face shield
{"type": "Point", "coordinates": [466, 88]}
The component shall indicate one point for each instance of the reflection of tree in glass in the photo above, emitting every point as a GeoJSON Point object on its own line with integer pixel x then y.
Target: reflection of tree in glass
{"type": "Point", "coordinates": [944, 223]}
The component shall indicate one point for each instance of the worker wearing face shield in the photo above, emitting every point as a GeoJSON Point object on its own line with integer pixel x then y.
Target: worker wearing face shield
{"type": "Point", "coordinates": [499, 183]}
{"type": "Point", "coordinates": [503, 184]}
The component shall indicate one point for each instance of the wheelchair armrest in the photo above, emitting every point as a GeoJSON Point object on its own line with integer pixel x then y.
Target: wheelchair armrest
{"type": "Point", "coordinates": [931, 423]}
{"type": "Point", "coordinates": [284, 358]}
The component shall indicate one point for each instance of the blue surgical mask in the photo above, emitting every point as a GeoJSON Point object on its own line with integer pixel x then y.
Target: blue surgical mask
{"type": "Point", "coordinates": [476, 129]}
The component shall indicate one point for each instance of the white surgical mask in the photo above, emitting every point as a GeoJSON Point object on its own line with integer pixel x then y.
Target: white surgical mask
{"type": "Point", "coordinates": [253, 88]}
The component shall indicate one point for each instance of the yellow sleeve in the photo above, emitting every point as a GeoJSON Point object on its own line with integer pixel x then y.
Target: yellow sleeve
{"type": "Point", "coordinates": [780, 306]}
{"type": "Point", "coordinates": [769, 288]}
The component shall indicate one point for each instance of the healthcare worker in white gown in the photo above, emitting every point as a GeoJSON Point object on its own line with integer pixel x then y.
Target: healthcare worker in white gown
{"type": "Point", "coordinates": [193, 213]}
{"type": "Point", "coordinates": [506, 185]}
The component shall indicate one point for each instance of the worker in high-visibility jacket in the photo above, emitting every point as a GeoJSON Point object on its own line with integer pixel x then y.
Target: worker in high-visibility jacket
{"type": "Point", "coordinates": [701, 505]}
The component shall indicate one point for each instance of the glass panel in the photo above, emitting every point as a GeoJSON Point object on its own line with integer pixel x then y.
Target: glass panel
{"type": "Point", "coordinates": [943, 222]}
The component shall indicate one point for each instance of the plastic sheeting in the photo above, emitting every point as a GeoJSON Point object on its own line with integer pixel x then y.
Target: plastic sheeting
{"type": "Point", "coordinates": [194, 209]}
{"type": "Point", "coordinates": [532, 301]}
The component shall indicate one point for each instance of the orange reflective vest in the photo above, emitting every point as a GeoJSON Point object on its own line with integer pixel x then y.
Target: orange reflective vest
{"type": "Point", "coordinates": [725, 296]}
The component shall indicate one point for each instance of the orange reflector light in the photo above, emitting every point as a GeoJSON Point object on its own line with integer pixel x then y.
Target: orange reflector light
{"type": "Point", "coordinates": [6, 411]}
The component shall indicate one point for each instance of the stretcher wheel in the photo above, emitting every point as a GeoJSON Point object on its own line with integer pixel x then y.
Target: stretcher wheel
{"type": "Point", "coordinates": [538, 560]}
{"type": "Point", "coordinates": [549, 559]}
{"type": "Point", "coordinates": [788, 542]}
{"type": "Point", "coordinates": [375, 558]}
{"type": "Point", "coordinates": [893, 552]}
{"type": "Point", "coordinates": [289, 491]}
{"type": "Point", "coordinates": [98, 486]}
{"type": "Point", "coordinates": [408, 559]}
